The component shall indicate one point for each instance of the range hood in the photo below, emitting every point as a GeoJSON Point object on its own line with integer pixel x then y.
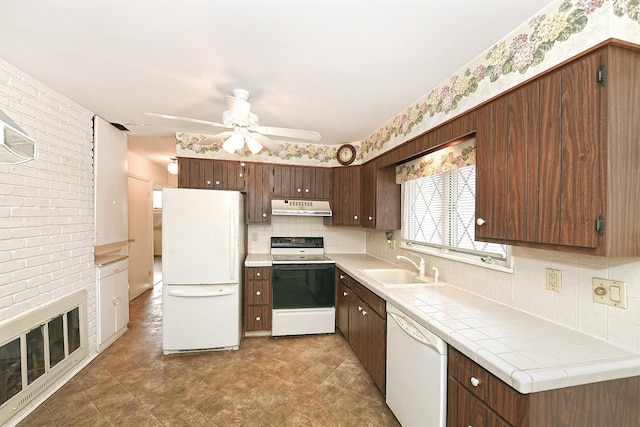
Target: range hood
{"type": "Point", "coordinates": [300, 207]}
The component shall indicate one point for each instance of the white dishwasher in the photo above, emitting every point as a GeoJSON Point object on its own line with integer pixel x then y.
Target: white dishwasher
{"type": "Point", "coordinates": [416, 372]}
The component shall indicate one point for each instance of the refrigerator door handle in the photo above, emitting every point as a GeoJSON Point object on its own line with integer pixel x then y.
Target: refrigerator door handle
{"type": "Point", "coordinates": [200, 294]}
{"type": "Point", "coordinates": [232, 243]}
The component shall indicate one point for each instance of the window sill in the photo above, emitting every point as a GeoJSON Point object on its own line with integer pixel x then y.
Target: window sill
{"type": "Point", "coordinates": [453, 256]}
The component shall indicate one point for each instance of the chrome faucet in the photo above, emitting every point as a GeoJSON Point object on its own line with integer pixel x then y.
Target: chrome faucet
{"type": "Point", "coordinates": [421, 268]}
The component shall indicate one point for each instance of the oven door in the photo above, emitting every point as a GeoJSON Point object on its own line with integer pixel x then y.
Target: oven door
{"type": "Point", "coordinates": [298, 286]}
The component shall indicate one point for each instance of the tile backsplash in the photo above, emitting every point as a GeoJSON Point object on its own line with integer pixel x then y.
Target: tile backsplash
{"type": "Point", "coordinates": [525, 288]}
{"type": "Point", "coordinates": [336, 239]}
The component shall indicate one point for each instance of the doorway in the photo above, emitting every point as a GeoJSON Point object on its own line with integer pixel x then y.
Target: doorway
{"type": "Point", "coordinates": [140, 236]}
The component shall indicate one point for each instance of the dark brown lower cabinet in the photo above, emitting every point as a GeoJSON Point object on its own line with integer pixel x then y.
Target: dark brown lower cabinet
{"type": "Point", "coordinates": [477, 398]}
{"type": "Point", "coordinates": [361, 317]}
{"type": "Point", "coordinates": [257, 299]}
{"type": "Point", "coordinates": [343, 295]}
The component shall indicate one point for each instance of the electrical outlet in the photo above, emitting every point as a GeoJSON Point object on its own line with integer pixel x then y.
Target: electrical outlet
{"type": "Point", "coordinates": [554, 280]}
{"type": "Point", "coordinates": [254, 236]}
{"type": "Point", "coordinates": [609, 292]}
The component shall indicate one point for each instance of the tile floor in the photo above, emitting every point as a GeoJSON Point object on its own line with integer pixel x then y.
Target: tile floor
{"type": "Point", "coordinates": [301, 381]}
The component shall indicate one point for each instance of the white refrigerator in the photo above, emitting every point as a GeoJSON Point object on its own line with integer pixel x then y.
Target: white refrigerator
{"type": "Point", "coordinates": [203, 248]}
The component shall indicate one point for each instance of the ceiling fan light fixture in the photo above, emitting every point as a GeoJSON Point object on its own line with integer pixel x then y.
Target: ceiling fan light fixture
{"type": "Point", "coordinates": [173, 166]}
{"type": "Point", "coordinates": [253, 145]}
{"type": "Point", "coordinates": [233, 143]}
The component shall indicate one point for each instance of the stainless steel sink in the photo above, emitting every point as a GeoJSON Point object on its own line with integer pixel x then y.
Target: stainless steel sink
{"type": "Point", "coordinates": [395, 277]}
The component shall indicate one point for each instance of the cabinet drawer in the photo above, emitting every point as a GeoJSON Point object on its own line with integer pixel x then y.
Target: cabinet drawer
{"type": "Point", "coordinates": [376, 303]}
{"type": "Point", "coordinates": [342, 277]}
{"type": "Point", "coordinates": [258, 273]}
{"type": "Point", "coordinates": [258, 292]}
{"type": "Point", "coordinates": [258, 318]}
{"type": "Point", "coordinates": [504, 400]}
{"type": "Point", "coordinates": [112, 268]}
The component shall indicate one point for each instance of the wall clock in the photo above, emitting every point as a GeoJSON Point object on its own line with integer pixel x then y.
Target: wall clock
{"type": "Point", "coordinates": [346, 154]}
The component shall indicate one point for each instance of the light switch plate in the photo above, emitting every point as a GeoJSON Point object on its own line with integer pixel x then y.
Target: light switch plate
{"type": "Point", "coordinates": [609, 292]}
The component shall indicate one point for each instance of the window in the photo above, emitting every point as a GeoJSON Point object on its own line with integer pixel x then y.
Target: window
{"type": "Point", "coordinates": [157, 199]}
{"type": "Point", "coordinates": [439, 193]}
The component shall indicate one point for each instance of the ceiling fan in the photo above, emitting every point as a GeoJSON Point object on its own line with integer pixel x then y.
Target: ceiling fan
{"type": "Point", "coordinates": [245, 127]}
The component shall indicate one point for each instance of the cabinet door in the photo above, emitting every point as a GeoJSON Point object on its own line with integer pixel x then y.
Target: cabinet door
{"type": "Point", "coordinates": [342, 306]}
{"type": "Point", "coordinates": [380, 198]}
{"type": "Point", "coordinates": [369, 195]}
{"type": "Point", "coordinates": [464, 409]}
{"type": "Point", "coordinates": [581, 191]}
{"type": "Point", "coordinates": [258, 200]}
{"type": "Point", "coordinates": [258, 318]}
{"type": "Point", "coordinates": [301, 182]}
{"type": "Point", "coordinates": [114, 304]}
{"type": "Point", "coordinates": [356, 326]}
{"type": "Point", "coordinates": [108, 295]}
{"type": "Point", "coordinates": [374, 347]}
{"type": "Point", "coordinates": [122, 300]}
{"type": "Point", "coordinates": [346, 196]}
{"type": "Point", "coordinates": [539, 160]}
{"type": "Point", "coordinates": [317, 182]}
{"type": "Point", "coordinates": [284, 179]}
{"type": "Point", "coordinates": [228, 175]}
{"type": "Point", "coordinates": [506, 166]}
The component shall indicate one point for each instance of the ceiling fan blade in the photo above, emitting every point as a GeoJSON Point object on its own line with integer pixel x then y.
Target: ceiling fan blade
{"type": "Point", "coordinates": [210, 139]}
{"type": "Point", "coordinates": [187, 119]}
{"type": "Point", "coordinates": [267, 143]}
{"type": "Point", "coordinates": [239, 108]}
{"type": "Point", "coordinates": [289, 133]}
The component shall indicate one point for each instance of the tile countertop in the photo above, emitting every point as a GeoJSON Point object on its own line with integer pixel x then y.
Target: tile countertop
{"type": "Point", "coordinates": [102, 260]}
{"type": "Point", "coordinates": [529, 353]}
{"type": "Point", "coordinates": [258, 260]}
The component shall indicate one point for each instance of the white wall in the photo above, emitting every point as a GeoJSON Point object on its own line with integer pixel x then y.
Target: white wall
{"type": "Point", "coordinates": [525, 288]}
{"type": "Point", "coordinates": [336, 239]}
{"type": "Point", "coordinates": [46, 205]}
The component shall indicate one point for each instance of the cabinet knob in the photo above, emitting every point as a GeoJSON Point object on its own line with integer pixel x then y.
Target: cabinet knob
{"type": "Point", "coordinates": [359, 308]}
{"type": "Point", "coordinates": [364, 312]}
{"type": "Point", "coordinates": [114, 301]}
{"type": "Point", "coordinates": [208, 182]}
{"type": "Point", "coordinates": [257, 318]}
{"type": "Point", "coordinates": [264, 215]}
{"type": "Point", "coordinates": [240, 175]}
{"type": "Point", "coordinates": [299, 190]}
{"type": "Point", "coordinates": [480, 221]}
{"type": "Point", "coordinates": [341, 276]}
{"type": "Point", "coordinates": [370, 218]}
{"type": "Point", "coordinates": [258, 293]}
{"type": "Point", "coordinates": [217, 182]}
{"type": "Point", "coordinates": [258, 274]}
{"type": "Point", "coordinates": [355, 217]}
{"type": "Point", "coordinates": [344, 294]}
{"type": "Point", "coordinates": [475, 382]}
{"type": "Point", "coordinates": [306, 190]}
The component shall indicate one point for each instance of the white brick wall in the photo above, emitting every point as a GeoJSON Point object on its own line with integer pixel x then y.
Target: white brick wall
{"type": "Point", "coordinates": [46, 205]}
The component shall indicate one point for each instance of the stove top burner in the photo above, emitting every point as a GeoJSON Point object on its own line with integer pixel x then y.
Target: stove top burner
{"type": "Point", "coordinates": [298, 250]}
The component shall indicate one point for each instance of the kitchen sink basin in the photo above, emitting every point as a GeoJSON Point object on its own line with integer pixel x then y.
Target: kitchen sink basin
{"type": "Point", "coordinates": [395, 276]}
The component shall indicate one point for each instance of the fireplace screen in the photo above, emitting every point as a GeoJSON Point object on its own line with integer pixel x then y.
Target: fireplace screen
{"type": "Point", "coordinates": [45, 345]}
{"type": "Point", "coordinates": [10, 370]}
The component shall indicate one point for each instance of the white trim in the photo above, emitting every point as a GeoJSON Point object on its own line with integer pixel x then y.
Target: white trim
{"type": "Point", "coordinates": [461, 257]}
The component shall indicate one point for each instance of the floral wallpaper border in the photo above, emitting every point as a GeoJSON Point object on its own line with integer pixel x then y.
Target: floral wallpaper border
{"type": "Point", "coordinates": [515, 55]}
{"type": "Point", "coordinates": [449, 159]}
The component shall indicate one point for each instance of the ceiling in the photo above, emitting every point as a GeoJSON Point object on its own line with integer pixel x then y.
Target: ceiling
{"type": "Point", "coordinates": [339, 67]}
